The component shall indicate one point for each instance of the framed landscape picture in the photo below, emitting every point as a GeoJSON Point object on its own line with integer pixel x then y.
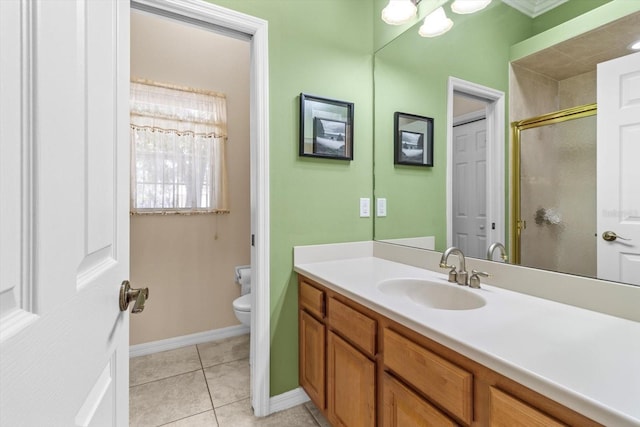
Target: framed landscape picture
{"type": "Point", "coordinates": [413, 140]}
{"type": "Point", "coordinates": [326, 128]}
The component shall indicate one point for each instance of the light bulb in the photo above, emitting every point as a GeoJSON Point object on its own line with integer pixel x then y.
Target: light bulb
{"type": "Point", "coordinates": [435, 24]}
{"type": "Point", "coordinates": [398, 12]}
{"type": "Point", "coordinates": [469, 6]}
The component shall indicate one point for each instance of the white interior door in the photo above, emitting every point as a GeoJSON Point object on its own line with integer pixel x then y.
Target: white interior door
{"type": "Point", "coordinates": [618, 197]}
{"type": "Point", "coordinates": [470, 188]}
{"type": "Point", "coordinates": [64, 109]}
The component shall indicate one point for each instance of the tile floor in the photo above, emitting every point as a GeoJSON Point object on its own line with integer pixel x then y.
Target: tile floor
{"type": "Point", "coordinates": [203, 385]}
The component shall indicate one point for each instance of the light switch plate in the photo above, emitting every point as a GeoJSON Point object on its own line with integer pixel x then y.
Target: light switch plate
{"type": "Point", "coordinates": [381, 207]}
{"type": "Point", "coordinates": [365, 207]}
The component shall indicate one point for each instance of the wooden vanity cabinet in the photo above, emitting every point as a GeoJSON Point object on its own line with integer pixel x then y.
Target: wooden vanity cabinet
{"type": "Point", "coordinates": [363, 369]}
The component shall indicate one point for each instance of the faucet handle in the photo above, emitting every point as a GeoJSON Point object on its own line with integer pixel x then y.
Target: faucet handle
{"type": "Point", "coordinates": [474, 280]}
{"type": "Point", "coordinates": [453, 274]}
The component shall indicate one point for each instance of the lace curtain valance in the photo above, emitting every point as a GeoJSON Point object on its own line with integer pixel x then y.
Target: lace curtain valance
{"type": "Point", "coordinates": [178, 139]}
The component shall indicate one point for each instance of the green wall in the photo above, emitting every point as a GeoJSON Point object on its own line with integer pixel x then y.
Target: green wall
{"type": "Point", "coordinates": [411, 76]}
{"type": "Point", "coordinates": [322, 48]}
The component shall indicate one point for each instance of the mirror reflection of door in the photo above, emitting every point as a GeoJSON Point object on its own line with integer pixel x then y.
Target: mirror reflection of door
{"type": "Point", "coordinates": [469, 189]}
{"type": "Point", "coordinates": [618, 200]}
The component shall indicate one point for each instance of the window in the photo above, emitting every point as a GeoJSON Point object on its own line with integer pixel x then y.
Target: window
{"type": "Point", "coordinates": [178, 139]}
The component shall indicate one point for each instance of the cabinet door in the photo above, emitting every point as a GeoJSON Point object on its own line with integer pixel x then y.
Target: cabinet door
{"type": "Point", "coordinates": [312, 358]}
{"type": "Point", "coordinates": [350, 385]}
{"type": "Point", "coordinates": [403, 408]}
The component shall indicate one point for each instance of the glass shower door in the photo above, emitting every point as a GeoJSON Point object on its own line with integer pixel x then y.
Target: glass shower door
{"type": "Point", "coordinates": [555, 225]}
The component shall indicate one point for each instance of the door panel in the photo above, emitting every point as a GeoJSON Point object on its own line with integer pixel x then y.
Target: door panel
{"type": "Point", "coordinates": [72, 358]}
{"type": "Point", "coordinates": [618, 197]}
{"type": "Point", "coordinates": [470, 188]}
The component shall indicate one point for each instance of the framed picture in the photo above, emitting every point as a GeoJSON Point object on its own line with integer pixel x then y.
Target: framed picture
{"type": "Point", "coordinates": [413, 140]}
{"type": "Point", "coordinates": [326, 128]}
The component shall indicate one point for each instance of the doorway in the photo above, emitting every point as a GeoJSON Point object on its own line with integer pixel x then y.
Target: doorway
{"type": "Point", "coordinates": [475, 167]}
{"type": "Point", "coordinates": [235, 24]}
{"type": "Point", "coordinates": [190, 244]}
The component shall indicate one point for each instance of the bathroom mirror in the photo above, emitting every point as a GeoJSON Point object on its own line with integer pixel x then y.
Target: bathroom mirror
{"type": "Point", "coordinates": [411, 74]}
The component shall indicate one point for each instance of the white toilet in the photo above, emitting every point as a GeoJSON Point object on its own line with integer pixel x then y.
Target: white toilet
{"type": "Point", "coordinates": [242, 304]}
{"type": "Point", "coordinates": [242, 309]}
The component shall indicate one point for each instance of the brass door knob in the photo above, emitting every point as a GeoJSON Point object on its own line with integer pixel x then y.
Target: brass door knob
{"type": "Point", "coordinates": [610, 236]}
{"type": "Point", "coordinates": [138, 296]}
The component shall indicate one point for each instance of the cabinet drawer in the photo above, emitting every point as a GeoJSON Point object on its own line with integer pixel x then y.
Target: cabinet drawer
{"type": "Point", "coordinates": [311, 299]}
{"type": "Point", "coordinates": [404, 408]}
{"type": "Point", "coordinates": [508, 411]}
{"type": "Point", "coordinates": [353, 325]}
{"type": "Point", "coordinates": [443, 382]}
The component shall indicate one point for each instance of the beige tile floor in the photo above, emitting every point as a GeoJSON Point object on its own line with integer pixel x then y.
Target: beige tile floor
{"type": "Point", "coordinates": [204, 385]}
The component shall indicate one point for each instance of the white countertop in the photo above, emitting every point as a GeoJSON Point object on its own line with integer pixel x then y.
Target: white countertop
{"type": "Point", "coordinates": [585, 360]}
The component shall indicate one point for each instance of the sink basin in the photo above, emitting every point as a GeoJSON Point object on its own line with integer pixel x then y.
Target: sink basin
{"type": "Point", "coordinates": [443, 296]}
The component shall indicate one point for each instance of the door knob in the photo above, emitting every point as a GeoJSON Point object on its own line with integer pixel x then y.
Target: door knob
{"type": "Point", "coordinates": [138, 296]}
{"type": "Point", "coordinates": [610, 236]}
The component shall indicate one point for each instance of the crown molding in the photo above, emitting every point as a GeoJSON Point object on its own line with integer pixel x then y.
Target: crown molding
{"type": "Point", "coordinates": [534, 8]}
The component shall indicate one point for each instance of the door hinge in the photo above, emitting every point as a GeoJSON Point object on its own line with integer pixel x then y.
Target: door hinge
{"type": "Point", "coordinates": [253, 240]}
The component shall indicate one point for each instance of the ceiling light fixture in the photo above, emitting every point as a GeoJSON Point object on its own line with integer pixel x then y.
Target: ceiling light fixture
{"type": "Point", "coordinates": [469, 6]}
{"type": "Point", "coordinates": [398, 12]}
{"type": "Point", "coordinates": [635, 45]}
{"type": "Point", "coordinates": [435, 24]}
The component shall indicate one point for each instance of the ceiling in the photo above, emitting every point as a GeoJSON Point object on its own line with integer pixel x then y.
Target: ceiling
{"type": "Point", "coordinates": [581, 54]}
{"type": "Point", "coordinates": [533, 8]}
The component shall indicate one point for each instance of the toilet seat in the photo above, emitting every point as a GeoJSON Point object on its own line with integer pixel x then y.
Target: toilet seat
{"type": "Point", "coordinates": [242, 303]}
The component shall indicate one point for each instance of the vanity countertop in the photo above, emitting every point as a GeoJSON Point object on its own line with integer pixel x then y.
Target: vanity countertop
{"type": "Point", "coordinates": [585, 360]}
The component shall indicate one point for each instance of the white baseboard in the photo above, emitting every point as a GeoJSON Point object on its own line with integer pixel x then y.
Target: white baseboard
{"type": "Point", "coordinates": [186, 340]}
{"type": "Point", "coordinates": [287, 400]}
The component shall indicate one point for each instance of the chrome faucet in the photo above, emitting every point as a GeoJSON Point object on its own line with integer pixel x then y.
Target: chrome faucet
{"type": "Point", "coordinates": [459, 276]}
{"type": "Point", "coordinates": [492, 249]}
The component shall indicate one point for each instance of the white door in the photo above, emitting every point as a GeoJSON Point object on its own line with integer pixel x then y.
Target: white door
{"type": "Point", "coordinates": [469, 195]}
{"type": "Point", "coordinates": [64, 219]}
{"type": "Point", "coordinates": [618, 196]}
